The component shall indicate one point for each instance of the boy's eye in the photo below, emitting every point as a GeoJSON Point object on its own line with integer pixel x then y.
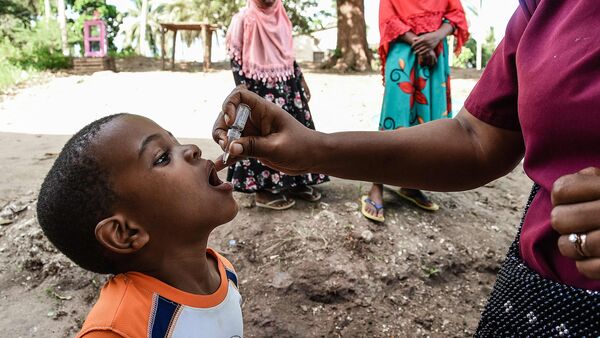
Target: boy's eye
{"type": "Point", "coordinates": [163, 159]}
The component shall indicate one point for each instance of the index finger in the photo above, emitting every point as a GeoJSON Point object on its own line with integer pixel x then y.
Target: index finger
{"type": "Point", "coordinates": [575, 218]}
{"type": "Point", "coordinates": [219, 132]}
{"type": "Point", "coordinates": [239, 95]}
{"type": "Point", "coordinates": [583, 186]}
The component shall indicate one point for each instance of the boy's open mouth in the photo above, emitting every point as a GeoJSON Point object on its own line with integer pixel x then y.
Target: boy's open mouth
{"type": "Point", "coordinates": [213, 178]}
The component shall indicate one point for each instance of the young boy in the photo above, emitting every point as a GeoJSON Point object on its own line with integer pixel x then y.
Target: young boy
{"type": "Point", "coordinates": [125, 198]}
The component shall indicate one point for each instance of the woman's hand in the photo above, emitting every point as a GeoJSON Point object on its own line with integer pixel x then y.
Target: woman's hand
{"type": "Point", "coordinates": [428, 60]}
{"type": "Point", "coordinates": [271, 135]}
{"type": "Point", "coordinates": [576, 216]}
{"type": "Point", "coordinates": [426, 42]}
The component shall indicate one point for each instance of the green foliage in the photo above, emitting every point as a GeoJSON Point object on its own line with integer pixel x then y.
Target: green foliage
{"type": "Point", "coordinates": [15, 10]}
{"type": "Point", "coordinates": [305, 24]}
{"type": "Point", "coordinates": [36, 48]}
{"type": "Point", "coordinates": [11, 74]}
{"type": "Point", "coordinates": [13, 15]}
{"type": "Point", "coordinates": [430, 271]}
{"type": "Point", "coordinates": [27, 50]}
{"type": "Point", "coordinates": [467, 58]}
{"type": "Point", "coordinates": [217, 12]}
{"type": "Point", "coordinates": [125, 52]}
{"type": "Point", "coordinates": [153, 18]}
{"type": "Point", "coordinates": [86, 9]}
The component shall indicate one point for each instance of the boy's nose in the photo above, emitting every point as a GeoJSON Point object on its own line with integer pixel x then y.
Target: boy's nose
{"type": "Point", "coordinates": [192, 152]}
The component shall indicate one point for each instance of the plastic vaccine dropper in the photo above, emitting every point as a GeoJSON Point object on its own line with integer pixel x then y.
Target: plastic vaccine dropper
{"type": "Point", "coordinates": [235, 131]}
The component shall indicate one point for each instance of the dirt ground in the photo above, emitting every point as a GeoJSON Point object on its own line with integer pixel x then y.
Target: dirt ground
{"type": "Point", "coordinates": [317, 270]}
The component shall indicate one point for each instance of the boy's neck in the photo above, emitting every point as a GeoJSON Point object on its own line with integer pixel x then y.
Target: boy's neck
{"type": "Point", "coordinates": [190, 269]}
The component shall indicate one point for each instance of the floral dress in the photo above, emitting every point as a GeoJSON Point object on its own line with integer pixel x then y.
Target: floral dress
{"type": "Point", "coordinates": [251, 175]}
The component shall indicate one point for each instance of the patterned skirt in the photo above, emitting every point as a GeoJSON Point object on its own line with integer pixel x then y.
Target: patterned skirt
{"type": "Point", "coordinates": [524, 304]}
{"type": "Point", "coordinates": [414, 94]}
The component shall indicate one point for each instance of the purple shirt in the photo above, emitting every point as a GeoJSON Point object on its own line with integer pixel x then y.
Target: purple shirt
{"type": "Point", "coordinates": [544, 80]}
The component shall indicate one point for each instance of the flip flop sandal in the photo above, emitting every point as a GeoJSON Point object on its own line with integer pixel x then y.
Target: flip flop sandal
{"type": "Point", "coordinates": [431, 207]}
{"type": "Point", "coordinates": [310, 195]}
{"type": "Point", "coordinates": [365, 200]}
{"type": "Point", "coordinates": [273, 204]}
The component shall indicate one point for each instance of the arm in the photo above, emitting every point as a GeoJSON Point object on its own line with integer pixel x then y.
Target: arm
{"type": "Point", "coordinates": [469, 151]}
{"type": "Point", "coordinates": [466, 149]}
{"type": "Point", "coordinates": [408, 37]}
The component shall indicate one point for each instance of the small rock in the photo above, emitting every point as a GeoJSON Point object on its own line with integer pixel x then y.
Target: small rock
{"type": "Point", "coordinates": [282, 280]}
{"type": "Point", "coordinates": [326, 215]}
{"type": "Point", "coordinates": [351, 206]}
{"type": "Point", "coordinates": [367, 236]}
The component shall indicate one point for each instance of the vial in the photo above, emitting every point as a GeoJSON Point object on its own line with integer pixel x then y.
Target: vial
{"type": "Point", "coordinates": [235, 131]}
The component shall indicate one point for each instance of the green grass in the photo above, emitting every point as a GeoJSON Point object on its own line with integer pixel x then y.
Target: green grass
{"type": "Point", "coordinates": [11, 75]}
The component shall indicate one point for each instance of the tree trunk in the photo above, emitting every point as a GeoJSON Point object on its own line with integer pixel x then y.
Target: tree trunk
{"type": "Point", "coordinates": [481, 38]}
{"type": "Point", "coordinates": [207, 41]}
{"type": "Point", "coordinates": [143, 23]}
{"type": "Point", "coordinates": [62, 24]}
{"type": "Point", "coordinates": [352, 50]}
{"type": "Point", "coordinates": [47, 11]}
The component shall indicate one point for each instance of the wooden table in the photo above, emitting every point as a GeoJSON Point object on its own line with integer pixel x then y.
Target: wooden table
{"type": "Point", "coordinates": [206, 30]}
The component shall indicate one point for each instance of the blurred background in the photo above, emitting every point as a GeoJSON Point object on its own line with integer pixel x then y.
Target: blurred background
{"type": "Point", "coordinates": [37, 35]}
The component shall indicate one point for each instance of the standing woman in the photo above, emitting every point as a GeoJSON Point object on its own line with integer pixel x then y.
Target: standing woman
{"type": "Point", "coordinates": [259, 42]}
{"type": "Point", "coordinates": [414, 56]}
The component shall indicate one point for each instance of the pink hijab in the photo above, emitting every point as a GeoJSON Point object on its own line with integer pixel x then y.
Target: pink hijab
{"type": "Point", "coordinates": [260, 39]}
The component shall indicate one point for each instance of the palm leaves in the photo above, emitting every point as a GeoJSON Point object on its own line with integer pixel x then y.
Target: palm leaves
{"type": "Point", "coordinates": [152, 32]}
{"type": "Point", "coordinates": [215, 12]}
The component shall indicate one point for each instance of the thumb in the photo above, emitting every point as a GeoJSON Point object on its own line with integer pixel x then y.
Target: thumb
{"type": "Point", "coordinates": [252, 146]}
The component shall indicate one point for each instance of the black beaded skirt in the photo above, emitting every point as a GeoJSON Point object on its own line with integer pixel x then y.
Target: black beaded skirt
{"type": "Point", "coordinates": [524, 304]}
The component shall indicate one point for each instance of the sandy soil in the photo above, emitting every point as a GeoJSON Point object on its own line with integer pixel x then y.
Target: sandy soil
{"type": "Point", "coordinates": [318, 270]}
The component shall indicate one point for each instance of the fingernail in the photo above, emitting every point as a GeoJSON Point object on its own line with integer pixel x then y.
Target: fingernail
{"type": "Point", "coordinates": [236, 149]}
{"type": "Point", "coordinates": [226, 117]}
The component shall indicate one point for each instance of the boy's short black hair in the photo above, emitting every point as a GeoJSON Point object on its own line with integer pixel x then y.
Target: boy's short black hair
{"type": "Point", "coordinates": [75, 195]}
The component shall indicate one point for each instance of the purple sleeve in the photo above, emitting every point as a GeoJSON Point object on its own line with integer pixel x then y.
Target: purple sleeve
{"type": "Point", "coordinates": [494, 98]}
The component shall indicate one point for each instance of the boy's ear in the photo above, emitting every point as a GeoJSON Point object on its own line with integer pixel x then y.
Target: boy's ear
{"type": "Point", "coordinates": [121, 236]}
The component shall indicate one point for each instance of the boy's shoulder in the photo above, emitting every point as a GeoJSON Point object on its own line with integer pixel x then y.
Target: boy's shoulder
{"type": "Point", "coordinates": [122, 308]}
{"type": "Point", "coordinates": [132, 304]}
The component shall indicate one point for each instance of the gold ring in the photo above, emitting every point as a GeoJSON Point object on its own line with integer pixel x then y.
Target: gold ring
{"type": "Point", "coordinates": [583, 237]}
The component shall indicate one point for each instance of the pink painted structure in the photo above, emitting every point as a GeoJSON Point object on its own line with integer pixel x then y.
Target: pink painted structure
{"type": "Point", "coordinates": [94, 38]}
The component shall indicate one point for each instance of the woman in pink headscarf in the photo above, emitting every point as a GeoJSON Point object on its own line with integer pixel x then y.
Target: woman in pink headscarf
{"type": "Point", "coordinates": [259, 42]}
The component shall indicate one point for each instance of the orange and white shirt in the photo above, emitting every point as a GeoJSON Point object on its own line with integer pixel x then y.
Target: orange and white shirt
{"type": "Point", "coordinates": [135, 305]}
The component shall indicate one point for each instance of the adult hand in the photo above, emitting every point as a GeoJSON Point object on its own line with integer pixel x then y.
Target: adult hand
{"type": "Point", "coordinates": [429, 59]}
{"type": "Point", "coordinates": [271, 135]}
{"type": "Point", "coordinates": [426, 42]}
{"type": "Point", "coordinates": [576, 200]}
